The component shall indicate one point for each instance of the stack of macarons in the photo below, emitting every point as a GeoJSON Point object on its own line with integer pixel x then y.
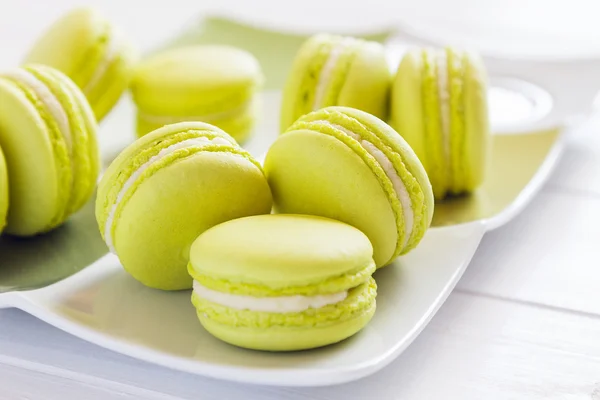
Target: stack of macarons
{"type": "Point", "coordinates": [338, 160]}
{"type": "Point", "coordinates": [185, 206]}
{"type": "Point", "coordinates": [279, 256]}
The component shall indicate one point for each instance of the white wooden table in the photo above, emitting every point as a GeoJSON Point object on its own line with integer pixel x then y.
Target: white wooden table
{"type": "Point", "coordinates": [524, 322]}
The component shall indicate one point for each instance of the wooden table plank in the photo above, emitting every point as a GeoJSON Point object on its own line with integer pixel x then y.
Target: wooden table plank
{"type": "Point", "coordinates": [579, 169]}
{"type": "Point", "coordinates": [548, 255]}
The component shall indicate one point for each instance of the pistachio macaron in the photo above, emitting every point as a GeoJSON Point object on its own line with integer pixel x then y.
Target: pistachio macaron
{"type": "Point", "coordinates": [48, 136]}
{"type": "Point", "coordinates": [3, 191]}
{"type": "Point", "coordinates": [169, 186]}
{"type": "Point", "coordinates": [439, 105]}
{"type": "Point", "coordinates": [349, 165]}
{"type": "Point", "coordinates": [283, 282]}
{"type": "Point", "coordinates": [210, 83]}
{"type": "Point", "coordinates": [331, 70]}
{"type": "Point", "coordinates": [92, 51]}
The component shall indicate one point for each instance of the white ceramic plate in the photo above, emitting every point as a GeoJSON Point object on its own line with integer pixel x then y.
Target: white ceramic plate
{"type": "Point", "coordinates": [103, 305]}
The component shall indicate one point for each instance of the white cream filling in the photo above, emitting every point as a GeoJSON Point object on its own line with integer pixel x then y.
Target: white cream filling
{"type": "Point", "coordinates": [109, 56]}
{"type": "Point", "coordinates": [167, 119]}
{"type": "Point", "coordinates": [200, 141]}
{"type": "Point", "coordinates": [51, 103]}
{"type": "Point", "coordinates": [390, 171]}
{"type": "Point", "coordinates": [278, 304]}
{"type": "Point", "coordinates": [444, 95]}
{"type": "Point", "coordinates": [327, 71]}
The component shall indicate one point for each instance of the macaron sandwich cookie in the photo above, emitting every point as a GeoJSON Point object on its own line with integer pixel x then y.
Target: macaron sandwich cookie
{"type": "Point", "coordinates": [293, 282]}
{"type": "Point", "coordinates": [95, 54]}
{"type": "Point", "coordinates": [213, 84]}
{"type": "Point", "coordinates": [439, 105]}
{"type": "Point", "coordinates": [331, 70]}
{"type": "Point", "coordinates": [3, 191]}
{"type": "Point", "coordinates": [48, 136]}
{"type": "Point", "coordinates": [165, 189]}
{"type": "Point", "coordinates": [348, 165]}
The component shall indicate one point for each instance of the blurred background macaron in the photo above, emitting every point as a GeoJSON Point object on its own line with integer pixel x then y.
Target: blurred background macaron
{"type": "Point", "coordinates": [331, 70]}
{"type": "Point", "coordinates": [94, 53]}
{"type": "Point", "coordinates": [214, 84]}
{"type": "Point", "coordinates": [48, 136]}
{"type": "Point", "coordinates": [440, 106]}
{"type": "Point", "coordinates": [283, 282]}
{"type": "Point", "coordinates": [167, 188]}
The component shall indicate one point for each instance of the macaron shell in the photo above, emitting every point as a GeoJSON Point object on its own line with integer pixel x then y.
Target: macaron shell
{"type": "Point", "coordinates": [172, 207]}
{"type": "Point", "coordinates": [280, 251]}
{"type": "Point", "coordinates": [439, 168]}
{"type": "Point", "coordinates": [77, 44]}
{"type": "Point", "coordinates": [367, 83]}
{"type": "Point", "coordinates": [477, 126]}
{"type": "Point", "coordinates": [415, 114]}
{"type": "Point", "coordinates": [152, 139]}
{"type": "Point", "coordinates": [361, 78]}
{"type": "Point", "coordinates": [3, 191]}
{"type": "Point", "coordinates": [406, 108]}
{"type": "Point", "coordinates": [36, 193]}
{"type": "Point", "coordinates": [410, 160]}
{"type": "Point", "coordinates": [239, 124]}
{"type": "Point", "coordinates": [191, 80]}
{"type": "Point", "coordinates": [316, 174]}
{"type": "Point", "coordinates": [286, 339]}
{"type": "Point", "coordinates": [295, 337]}
{"type": "Point", "coordinates": [337, 75]}
{"type": "Point", "coordinates": [299, 89]}
{"type": "Point", "coordinates": [115, 80]}
{"type": "Point", "coordinates": [85, 156]}
{"type": "Point", "coordinates": [66, 44]}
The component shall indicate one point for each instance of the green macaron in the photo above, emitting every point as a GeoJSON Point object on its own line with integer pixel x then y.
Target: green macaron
{"type": "Point", "coordinates": [48, 136]}
{"type": "Point", "coordinates": [283, 282]}
{"type": "Point", "coordinates": [439, 105]}
{"type": "Point", "coordinates": [348, 165]}
{"type": "Point", "coordinates": [94, 53]}
{"type": "Point", "coordinates": [331, 70]}
{"type": "Point", "coordinates": [214, 84]}
{"type": "Point", "coordinates": [169, 186]}
{"type": "Point", "coordinates": [3, 191]}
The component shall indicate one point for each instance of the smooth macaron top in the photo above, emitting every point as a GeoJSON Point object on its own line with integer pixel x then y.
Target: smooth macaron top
{"type": "Point", "coordinates": [196, 80]}
{"type": "Point", "coordinates": [439, 105]}
{"type": "Point", "coordinates": [3, 191]}
{"type": "Point", "coordinates": [168, 187]}
{"type": "Point", "coordinates": [349, 165]}
{"type": "Point", "coordinates": [45, 118]}
{"type": "Point", "coordinates": [91, 51]}
{"type": "Point", "coordinates": [150, 153]}
{"type": "Point", "coordinates": [281, 255]}
{"type": "Point", "coordinates": [331, 70]}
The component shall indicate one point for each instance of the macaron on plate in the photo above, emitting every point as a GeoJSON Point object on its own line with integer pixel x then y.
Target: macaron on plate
{"type": "Point", "coordinates": [105, 305]}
